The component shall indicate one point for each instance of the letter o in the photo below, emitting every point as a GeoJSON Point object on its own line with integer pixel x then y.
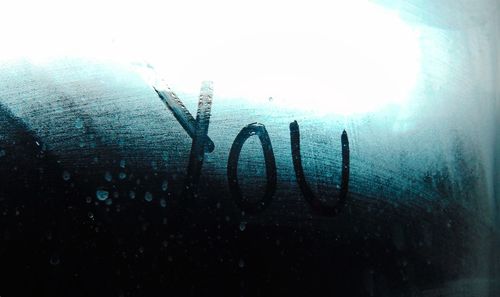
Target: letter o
{"type": "Point", "coordinates": [232, 168]}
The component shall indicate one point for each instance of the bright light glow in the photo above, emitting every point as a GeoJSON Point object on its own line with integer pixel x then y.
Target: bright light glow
{"type": "Point", "coordinates": [329, 57]}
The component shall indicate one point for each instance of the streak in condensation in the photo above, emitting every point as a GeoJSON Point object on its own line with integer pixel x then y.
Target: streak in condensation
{"type": "Point", "coordinates": [182, 114]}
{"type": "Point", "coordinates": [200, 137]}
{"type": "Point", "coordinates": [318, 206]}
{"type": "Point", "coordinates": [232, 168]}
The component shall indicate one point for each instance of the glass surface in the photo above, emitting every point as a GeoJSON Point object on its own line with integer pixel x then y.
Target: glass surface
{"type": "Point", "coordinates": [347, 148]}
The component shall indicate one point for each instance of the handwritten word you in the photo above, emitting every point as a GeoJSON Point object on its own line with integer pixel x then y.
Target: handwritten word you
{"type": "Point", "coordinates": [197, 129]}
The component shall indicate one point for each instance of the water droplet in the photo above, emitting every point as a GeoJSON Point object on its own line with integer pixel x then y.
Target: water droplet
{"type": "Point", "coordinates": [91, 215]}
{"type": "Point", "coordinates": [270, 99]}
{"type": "Point", "coordinates": [122, 163]}
{"type": "Point", "coordinates": [164, 185]}
{"type": "Point", "coordinates": [79, 123]}
{"type": "Point", "coordinates": [66, 175]}
{"type": "Point", "coordinates": [108, 176]}
{"type": "Point", "coordinates": [241, 263]}
{"type": "Point", "coordinates": [88, 199]}
{"type": "Point", "coordinates": [109, 201]}
{"type": "Point", "coordinates": [122, 175]}
{"type": "Point", "coordinates": [163, 202]}
{"type": "Point", "coordinates": [164, 156]}
{"type": "Point", "coordinates": [2, 153]}
{"type": "Point", "coordinates": [148, 197]}
{"type": "Point", "coordinates": [243, 226]}
{"type": "Point", "coordinates": [102, 194]}
{"type": "Point", "coordinates": [131, 194]}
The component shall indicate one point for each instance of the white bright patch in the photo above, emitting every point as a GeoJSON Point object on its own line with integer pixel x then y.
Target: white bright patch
{"type": "Point", "coordinates": [329, 57]}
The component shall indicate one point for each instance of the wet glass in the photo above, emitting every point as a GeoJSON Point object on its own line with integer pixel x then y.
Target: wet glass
{"type": "Point", "coordinates": [345, 149]}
